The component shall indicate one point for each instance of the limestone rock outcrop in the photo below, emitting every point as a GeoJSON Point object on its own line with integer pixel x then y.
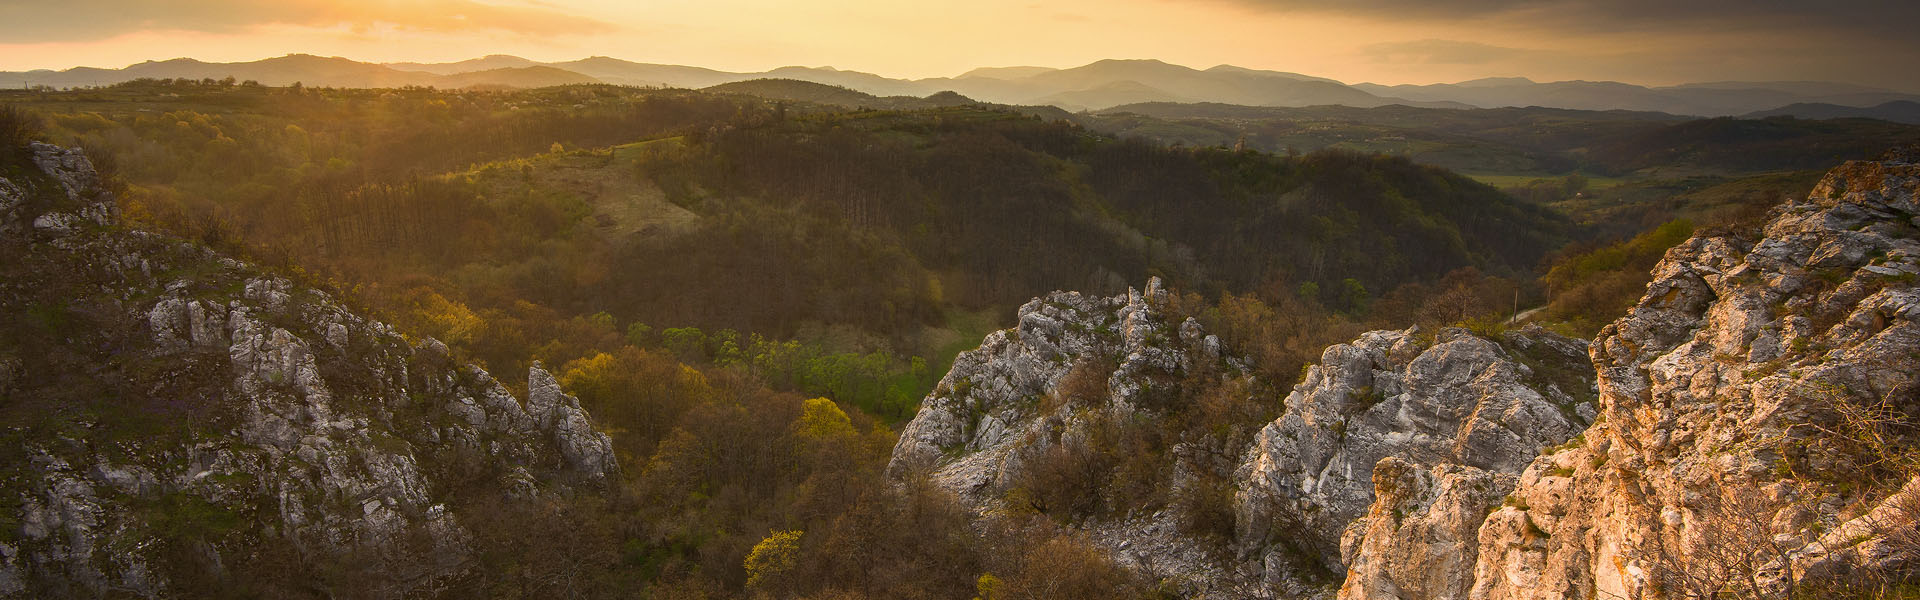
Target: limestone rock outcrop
{"type": "Point", "coordinates": [1419, 538]}
{"type": "Point", "coordinates": [1014, 399]}
{"type": "Point", "coordinates": [989, 404]}
{"type": "Point", "coordinates": [1467, 409]}
{"type": "Point", "coordinates": [1454, 402]}
{"type": "Point", "coordinates": [196, 405]}
{"type": "Point", "coordinates": [1755, 402]}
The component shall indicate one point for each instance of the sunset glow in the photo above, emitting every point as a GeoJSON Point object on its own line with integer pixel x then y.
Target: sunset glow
{"type": "Point", "coordinates": [1377, 41]}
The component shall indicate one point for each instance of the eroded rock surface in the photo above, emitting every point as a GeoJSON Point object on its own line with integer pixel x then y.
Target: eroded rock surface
{"type": "Point", "coordinates": [280, 419]}
{"type": "Point", "coordinates": [1724, 396]}
{"type": "Point", "coordinates": [1012, 401]}
{"type": "Point", "coordinates": [989, 403]}
{"type": "Point", "coordinates": [1454, 402]}
{"type": "Point", "coordinates": [1419, 539]}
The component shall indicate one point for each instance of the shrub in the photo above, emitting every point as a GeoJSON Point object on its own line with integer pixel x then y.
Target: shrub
{"type": "Point", "coordinates": [771, 559]}
{"type": "Point", "coordinates": [18, 127]}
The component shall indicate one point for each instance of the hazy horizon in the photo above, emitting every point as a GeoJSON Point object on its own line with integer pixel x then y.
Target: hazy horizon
{"type": "Point", "coordinates": [400, 65]}
{"type": "Point", "coordinates": [1375, 41]}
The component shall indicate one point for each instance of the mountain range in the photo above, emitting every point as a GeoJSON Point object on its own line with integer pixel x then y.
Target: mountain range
{"type": "Point", "coordinates": [1099, 85]}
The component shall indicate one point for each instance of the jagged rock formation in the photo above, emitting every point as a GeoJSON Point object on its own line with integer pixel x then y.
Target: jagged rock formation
{"type": "Point", "coordinates": [175, 412]}
{"type": "Point", "coordinates": [1389, 425]}
{"type": "Point", "coordinates": [986, 406]}
{"type": "Point", "coordinates": [1470, 409]}
{"type": "Point", "coordinates": [1758, 411]}
{"type": "Point", "coordinates": [1418, 540]}
{"type": "Point", "coordinates": [1005, 404]}
{"type": "Point", "coordinates": [1753, 429]}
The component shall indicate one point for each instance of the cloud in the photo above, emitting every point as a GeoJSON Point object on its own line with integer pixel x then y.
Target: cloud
{"type": "Point", "coordinates": [30, 21]}
{"type": "Point", "coordinates": [1880, 18]}
{"type": "Point", "coordinates": [1438, 52]}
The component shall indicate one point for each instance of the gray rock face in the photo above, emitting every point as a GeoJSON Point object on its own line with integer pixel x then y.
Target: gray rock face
{"type": "Point", "coordinates": [1722, 395]}
{"type": "Point", "coordinates": [327, 431]}
{"type": "Point", "coordinates": [1456, 400]}
{"type": "Point", "coordinates": [992, 413]}
{"type": "Point", "coordinates": [1454, 416]}
{"type": "Point", "coordinates": [1420, 537]}
{"type": "Point", "coordinates": [988, 403]}
{"type": "Point", "coordinates": [58, 204]}
{"type": "Point", "coordinates": [584, 449]}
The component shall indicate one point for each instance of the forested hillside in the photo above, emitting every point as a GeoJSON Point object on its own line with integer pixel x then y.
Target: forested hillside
{"type": "Point", "coordinates": [848, 254]}
{"type": "Point", "coordinates": [749, 296]}
{"type": "Point", "coordinates": [182, 424]}
{"type": "Point", "coordinates": [732, 484]}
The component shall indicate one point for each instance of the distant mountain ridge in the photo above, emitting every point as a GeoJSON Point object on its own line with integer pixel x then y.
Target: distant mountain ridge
{"type": "Point", "coordinates": [1718, 99]}
{"type": "Point", "coordinates": [309, 70]}
{"type": "Point", "coordinates": [1095, 86]}
{"type": "Point", "coordinates": [1898, 111]}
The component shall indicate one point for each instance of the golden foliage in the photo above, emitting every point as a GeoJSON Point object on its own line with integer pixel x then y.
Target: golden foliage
{"type": "Point", "coordinates": [772, 558]}
{"type": "Point", "coordinates": [821, 419]}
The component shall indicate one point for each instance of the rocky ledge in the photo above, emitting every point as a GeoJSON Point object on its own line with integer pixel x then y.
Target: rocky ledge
{"type": "Point", "coordinates": [1075, 368]}
{"type": "Point", "coordinates": [176, 413]}
{"type": "Point", "coordinates": [990, 401]}
{"type": "Point", "coordinates": [1389, 425]}
{"type": "Point", "coordinates": [1446, 401]}
{"type": "Point", "coordinates": [1760, 418]}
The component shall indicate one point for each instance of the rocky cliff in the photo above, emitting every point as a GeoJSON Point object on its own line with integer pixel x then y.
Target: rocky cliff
{"type": "Point", "coordinates": [174, 416]}
{"type": "Point", "coordinates": [990, 403]}
{"type": "Point", "coordinates": [1757, 432]}
{"type": "Point", "coordinates": [1448, 401]}
{"type": "Point", "coordinates": [1039, 404]}
{"type": "Point", "coordinates": [1394, 421]}
{"type": "Point", "coordinates": [1753, 430]}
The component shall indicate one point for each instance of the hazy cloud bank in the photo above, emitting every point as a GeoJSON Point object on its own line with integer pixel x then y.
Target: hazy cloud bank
{"type": "Point", "coordinates": [31, 21]}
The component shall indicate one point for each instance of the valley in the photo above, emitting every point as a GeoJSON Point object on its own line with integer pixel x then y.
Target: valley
{"type": "Point", "coordinates": [309, 327]}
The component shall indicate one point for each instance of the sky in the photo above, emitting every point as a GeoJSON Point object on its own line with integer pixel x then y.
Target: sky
{"type": "Point", "coordinates": [1651, 42]}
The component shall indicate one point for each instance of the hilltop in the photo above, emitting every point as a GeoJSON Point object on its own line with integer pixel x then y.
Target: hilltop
{"type": "Point", "coordinates": [1099, 85]}
{"type": "Point", "coordinates": [1745, 429]}
{"type": "Point", "coordinates": [781, 338]}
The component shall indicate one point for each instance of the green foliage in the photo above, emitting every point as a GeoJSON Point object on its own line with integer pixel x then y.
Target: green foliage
{"type": "Point", "coordinates": [18, 126]}
{"type": "Point", "coordinates": [1593, 287]}
{"type": "Point", "coordinates": [1353, 296]}
{"type": "Point", "coordinates": [686, 343]}
{"type": "Point", "coordinates": [639, 335]}
{"type": "Point", "coordinates": [180, 516]}
{"type": "Point", "coordinates": [1551, 154]}
{"type": "Point", "coordinates": [635, 394]}
{"type": "Point", "coordinates": [827, 256]}
{"type": "Point", "coordinates": [1365, 397]}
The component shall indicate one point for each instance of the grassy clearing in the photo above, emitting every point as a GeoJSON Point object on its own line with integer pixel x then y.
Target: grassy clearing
{"type": "Point", "coordinates": [1507, 180]}
{"type": "Point", "coordinates": [963, 332]}
{"type": "Point", "coordinates": [607, 181]}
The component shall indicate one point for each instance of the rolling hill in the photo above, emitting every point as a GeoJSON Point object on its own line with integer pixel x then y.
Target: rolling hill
{"type": "Point", "coordinates": [820, 93]}
{"type": "Point", "coordinates": [1709, 99]}
{"type": "Point", "coordinates": [1095, 86]}
{"type": "Point", "coordinates": [305, 69]}
{"type": "Point", "coordinates": [1898, 111]}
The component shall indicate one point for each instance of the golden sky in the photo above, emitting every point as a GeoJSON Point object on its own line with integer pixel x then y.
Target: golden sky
{"type": "Point", "coordinates": [1382, 41]}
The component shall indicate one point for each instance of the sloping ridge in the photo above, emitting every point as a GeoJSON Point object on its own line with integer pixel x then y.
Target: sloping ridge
{"type": "Point", "coordinates": [1749, 428]}
{"type": "Point", "coordinates": [1075, 362]}
{"type": "Point", "coordinates": [1757, 434]}
{"type": "Point", "coordinates": [1898, 111]}
{"type": "Point", "coordinates": [178, 416]}
{"type": "Point", "coordinates": [1452, 401]}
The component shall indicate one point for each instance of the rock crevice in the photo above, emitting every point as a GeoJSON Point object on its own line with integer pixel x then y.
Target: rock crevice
{"type": "Point", "coordinates": [310, 426]}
